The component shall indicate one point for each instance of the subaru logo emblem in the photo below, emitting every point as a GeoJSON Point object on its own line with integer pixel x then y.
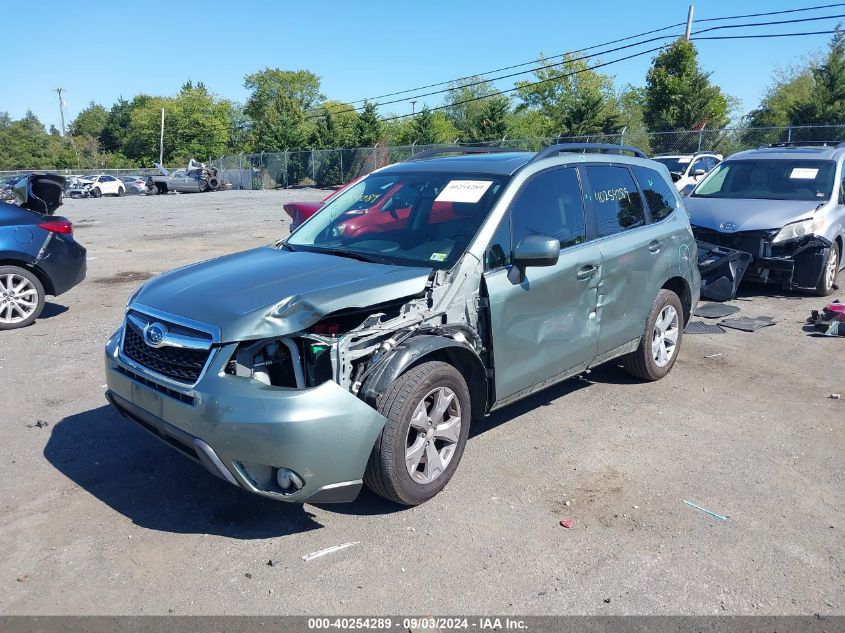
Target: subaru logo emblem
{"type": "Point", "coordinates": [154, 334]}
{"type": "Point", "coordinates": [727, 227]}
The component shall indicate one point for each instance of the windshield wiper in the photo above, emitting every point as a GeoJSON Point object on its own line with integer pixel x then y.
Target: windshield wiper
{"type": "Point", "coordinates": [363, 257]}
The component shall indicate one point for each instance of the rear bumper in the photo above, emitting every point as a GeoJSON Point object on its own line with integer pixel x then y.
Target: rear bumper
{"type": "Point", "coordinates": [242, 430]}
{"type": "Point", "coordinates": [65, 262]}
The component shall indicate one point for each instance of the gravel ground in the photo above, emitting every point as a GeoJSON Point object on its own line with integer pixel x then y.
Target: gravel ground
{"type": "Point", "coordinates": [98, 517]}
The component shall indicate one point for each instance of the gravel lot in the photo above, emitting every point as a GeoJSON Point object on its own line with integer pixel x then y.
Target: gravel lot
{"type": "Point", "coordinates": [97, 517]}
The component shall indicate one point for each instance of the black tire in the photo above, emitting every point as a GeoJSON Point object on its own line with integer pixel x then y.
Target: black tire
{"type": "Point", "coordinates": [39, 288]}
{"type": "Point", "coordinates": [386, 473]}
{"type": "Point", "coordinates": [213, 183]}
{"type": "Point", "coordinates": [641, 363]}
{"type": "Point", "coordinates": [121, 192]}
{"type": "Point", "coordinates": [825, 287]}
{"type": "Point", "coordinates": [96, 193]}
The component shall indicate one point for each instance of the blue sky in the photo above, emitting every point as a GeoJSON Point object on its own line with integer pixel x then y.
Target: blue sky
{"type": "Point", "coordinates": [360, 49]}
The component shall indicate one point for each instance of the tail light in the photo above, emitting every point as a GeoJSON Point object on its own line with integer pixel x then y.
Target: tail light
{"type": "Point", "coordinates": [65, 227]}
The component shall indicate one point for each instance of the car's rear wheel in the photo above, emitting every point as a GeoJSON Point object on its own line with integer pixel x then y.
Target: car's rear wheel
{"type": "Point", "coordinates": [661, 340]}
{"type": "Point", "coordinates": [428, 416]}
{"type": "Point", "coordinates": [121, 192]}
{"type": "Point", "coordinates": [21, 297]}
{"type": "Point", "coordinates": [831, 268]}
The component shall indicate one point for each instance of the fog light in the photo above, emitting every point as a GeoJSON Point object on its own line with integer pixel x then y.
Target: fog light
{"type": "Point", "coordinates": [288, 480]}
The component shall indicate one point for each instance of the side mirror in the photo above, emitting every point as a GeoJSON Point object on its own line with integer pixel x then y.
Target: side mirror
{"type": "Point", "coordinates": [537, 250]}
{"type": "Point", "coordinates": [698, 172]}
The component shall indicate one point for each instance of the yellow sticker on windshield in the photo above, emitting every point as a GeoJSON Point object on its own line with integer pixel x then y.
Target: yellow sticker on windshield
{"type": "Point", "coordinates": [438, 257]}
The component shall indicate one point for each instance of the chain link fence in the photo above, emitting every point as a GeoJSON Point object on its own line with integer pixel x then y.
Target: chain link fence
{"type": "Point", "coordinates": [117, 173]}
{"type": "Point", "coordinates": [334, 167]}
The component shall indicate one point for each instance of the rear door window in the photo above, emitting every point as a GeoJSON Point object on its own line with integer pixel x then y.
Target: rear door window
{"type": "Point", "coordinates": [614, 201]}
{"type": "Point", "coordinates": [659, 194]}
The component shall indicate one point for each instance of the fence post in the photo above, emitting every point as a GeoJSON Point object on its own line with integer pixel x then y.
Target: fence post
{"type": "Point", "coordinates": [789, 134]}
{"type": "Point", "coordinates": [412, 147]}
{"type": "Point", "coordinates": [286, 167]}
{"type": "Point", "coordinates": [700, 136]}
{"type": "Point", "coordinates": [313, 167]}
{"type": "Point", "coordinates": [375, 156]}
{"type": "Point", "coordinates": [342, 177]}
{"type": "Point", "coordinates": [622, 135]}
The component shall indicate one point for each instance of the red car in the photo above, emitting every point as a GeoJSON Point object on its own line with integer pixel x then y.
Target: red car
{"type": "Point", "coordinates": [378, 211]}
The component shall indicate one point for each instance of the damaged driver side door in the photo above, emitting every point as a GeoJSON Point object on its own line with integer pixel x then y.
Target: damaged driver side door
{"type": "Point", "coordinates": [542, 318]}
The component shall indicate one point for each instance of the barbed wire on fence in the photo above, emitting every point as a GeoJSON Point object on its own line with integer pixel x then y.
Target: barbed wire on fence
{"type": "Point", "coordinates": [334, 167]}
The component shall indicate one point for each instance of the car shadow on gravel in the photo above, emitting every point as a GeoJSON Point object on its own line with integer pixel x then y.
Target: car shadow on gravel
{"type": "Point", "coordinates": [52, 309]}
{"type": "Point", "coordinates": [137, 475]}
{"type": "Point", "coordinates": [369, 503]}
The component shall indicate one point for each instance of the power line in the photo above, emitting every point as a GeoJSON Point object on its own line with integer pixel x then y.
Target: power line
{"type": "Point", "coordinates": [593, 47]}
{"type": "Point", "coordinates": [528, 63]}
{"type": "Point", "coordinates": [745, 37]}
{"type": "Point", "coordinates": [547, 66]}
{"type": "Point", "coordinates": [602, 64]}
{"type": "Point", "coordinates": [757, 15]}
{"type": "Point", "coordinates": [533, 83]}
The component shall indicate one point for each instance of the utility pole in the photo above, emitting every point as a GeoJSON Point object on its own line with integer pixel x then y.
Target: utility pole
{"type": "Point", "coordinates": [413, 108]}
{"type": "Point", "coordinates": [161, 141]}
{"type": "Point", "coordinates": [59, 92]}
{"type": "Point", "coordinates": [689, 22]}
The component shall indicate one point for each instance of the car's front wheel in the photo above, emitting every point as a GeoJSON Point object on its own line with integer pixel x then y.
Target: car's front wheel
{"type": "Point", "coordinates": [661, 340]}
{"type": "Point", "coordinates": [428, 416]}
{"type": "Point", "coordinates": [96, 193]}
{"type": "Point", "coordinates": [831, 268]}
{"type": "Point", "coordinates": [21, 297]}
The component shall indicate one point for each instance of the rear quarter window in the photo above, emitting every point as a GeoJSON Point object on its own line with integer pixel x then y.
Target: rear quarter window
{"type": "Point", "coordinates": [660, 196]}
{"type": "Point", "coordinates": [614, 200]}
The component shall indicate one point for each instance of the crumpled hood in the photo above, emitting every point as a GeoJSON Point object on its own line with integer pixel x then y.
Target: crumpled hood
{"type": "Point", "coordinates": [271, 292]}
{"type": "Point", "coordinates": [747, 215]}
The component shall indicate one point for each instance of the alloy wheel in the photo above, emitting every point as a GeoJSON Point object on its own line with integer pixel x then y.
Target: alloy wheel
{"type": "Point", "coordinates": [664, 338]}
{"type": "Point", "coordinates": [18, 298]}
{"type": "Point", "coordinates": [433, 435]}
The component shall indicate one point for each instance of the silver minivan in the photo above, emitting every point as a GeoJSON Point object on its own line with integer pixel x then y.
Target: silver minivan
{"type": "Point", "coordinates": [785, 205]}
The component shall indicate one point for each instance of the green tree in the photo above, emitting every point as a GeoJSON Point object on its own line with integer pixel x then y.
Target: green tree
{"type": "Point", "coordinates": [572, 99]}
{"type": "Point", "coordinates": [91, 121]}
{"type": "Point", "coordinates": [369, 128]}
{"type": "Point", "coordinates": [825, 104]}
{"type": "Point", "coordinates": [196, 125]}
{"type": "Point", "coordinates": [679, 95]}
{"type": "Point", "coordinates": [475, 108]}
{"type": "Point", "coordinates": [277, 106]}
{"type": "Point", "coordinates": [422, 127]}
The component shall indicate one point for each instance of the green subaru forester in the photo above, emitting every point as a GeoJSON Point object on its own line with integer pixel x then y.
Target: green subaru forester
{"type": "Point", "coordinates": [360, 348]}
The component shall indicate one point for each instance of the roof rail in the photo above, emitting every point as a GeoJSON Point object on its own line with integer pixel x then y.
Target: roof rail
{"type": "Point", "coordinates": [602, 148]}
{"type": "Point", "coordinates": [699, 152]}
{"type": "Point", "coordinates": [457, 149]}
{"type": "Point", "coordinates": [835, 144]}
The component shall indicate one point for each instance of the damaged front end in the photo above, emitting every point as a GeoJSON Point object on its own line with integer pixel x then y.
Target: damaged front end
{"type": "Point", "coordinates": [291, 415]}
{"type": "Point", "coordinates": [795, 264]}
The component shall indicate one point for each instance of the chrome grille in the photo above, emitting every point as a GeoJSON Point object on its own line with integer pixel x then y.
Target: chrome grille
{"type": "Point", "coordinates": [183, 364]}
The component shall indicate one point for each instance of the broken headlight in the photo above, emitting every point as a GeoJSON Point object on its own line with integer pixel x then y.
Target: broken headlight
{"type": "Point", "coordinates": [799, 229]}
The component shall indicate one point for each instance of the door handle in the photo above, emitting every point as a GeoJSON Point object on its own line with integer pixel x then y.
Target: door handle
{"type": "Point", "coordinates": [655, 246]}
{"type": "Point", "coordinates": [585, 272]}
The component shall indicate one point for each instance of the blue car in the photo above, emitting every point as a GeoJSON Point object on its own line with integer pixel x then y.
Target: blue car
{"type": "Point", "coordinates": [38, 255]}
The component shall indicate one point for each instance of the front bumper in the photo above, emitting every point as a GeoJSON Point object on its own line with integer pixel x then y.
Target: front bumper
{"type": "Point", "coordinates": [793, 265]}
{"type": "Point", "coordinates": [242, 430]}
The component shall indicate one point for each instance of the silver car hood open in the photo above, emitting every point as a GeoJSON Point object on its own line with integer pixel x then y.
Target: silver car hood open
{"type": "Point", "coordinates": [271, 292]}
{"type": "Point", "coordinates": [747, 215]}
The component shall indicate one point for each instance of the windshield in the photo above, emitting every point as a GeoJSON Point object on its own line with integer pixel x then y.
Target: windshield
{"type": "Point", "coordinates": [411, 219]}
{"type": "Point", "coordinates": [677, 164]}
{"type": "Point", "coordinates": [770, 179]}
